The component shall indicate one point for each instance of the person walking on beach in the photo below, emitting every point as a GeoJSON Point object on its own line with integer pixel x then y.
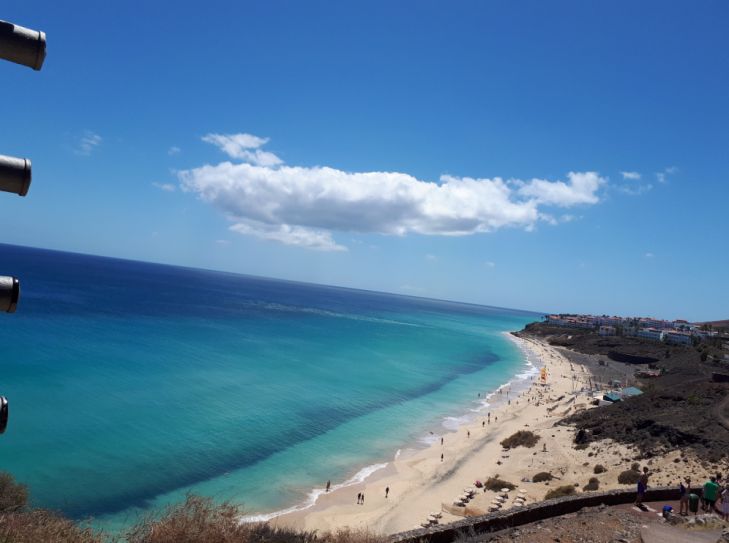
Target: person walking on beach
{"type": "Point", "coordinates": [468, 433]}
{"type": "Point", "coordinates": [441, 457]}
{"type": "Point", "coordinates": [329, 485]}
{"type": "Point", "coordinates": [441, 441]}
{"type": "Point", "coordinates": [362, 502]}
{"type": "Point", "coordinates": [387, 491]}
{"type": "Point", "coordinates": [359, 497]}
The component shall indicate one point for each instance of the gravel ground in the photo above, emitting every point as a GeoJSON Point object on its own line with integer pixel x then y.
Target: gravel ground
{"type": "Point", "coordinates": [590, 525]}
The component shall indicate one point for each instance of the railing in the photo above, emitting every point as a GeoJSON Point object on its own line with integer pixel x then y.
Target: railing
{"type": "Point", "coordinates": [534, 512]}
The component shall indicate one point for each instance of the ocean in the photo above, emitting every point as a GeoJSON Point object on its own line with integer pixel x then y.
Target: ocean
{"type": "Point", "coordinates": [131, 384]}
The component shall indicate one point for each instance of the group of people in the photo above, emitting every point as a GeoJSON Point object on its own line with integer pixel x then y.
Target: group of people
{"type": "Point", "coordinates": [714, 496]}
{"type": "Point", "coordinates": [360, 496]}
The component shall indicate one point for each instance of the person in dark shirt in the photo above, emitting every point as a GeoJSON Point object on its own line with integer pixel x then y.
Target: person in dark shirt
{"type": "Point", "coordinates": [684, 491]}
{"type": "Point", "coordinates": [642, 487]}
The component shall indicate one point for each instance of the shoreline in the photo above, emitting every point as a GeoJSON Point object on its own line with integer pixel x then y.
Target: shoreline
{"type": "Point", "coordinates": [448, 424]}
{"type": "Point", "coordinates": [419, 482]}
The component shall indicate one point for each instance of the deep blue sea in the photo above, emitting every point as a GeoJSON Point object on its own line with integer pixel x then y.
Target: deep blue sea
{"type": "Point", "coordinates": [131, 384]}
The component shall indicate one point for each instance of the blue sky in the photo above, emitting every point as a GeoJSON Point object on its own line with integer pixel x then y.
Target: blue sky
{"type": "Point", "coordinates": [553, 156]}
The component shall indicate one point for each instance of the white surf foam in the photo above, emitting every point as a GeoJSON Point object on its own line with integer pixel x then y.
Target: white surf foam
{"type": "Point", "coordinates": [453, 423]}
{"type": "Point", "coordinates": [314, 494]}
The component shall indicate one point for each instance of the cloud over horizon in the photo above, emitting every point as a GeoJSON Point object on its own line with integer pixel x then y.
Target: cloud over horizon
{"type": "Point", "coordinates": [302, 206]}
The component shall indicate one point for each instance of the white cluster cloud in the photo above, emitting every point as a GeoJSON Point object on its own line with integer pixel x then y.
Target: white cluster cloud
{"type": "Point", "coordinates": [88, 142]}
{"type": "Point", "coordinates": [245, 147]}
{"type": "Point", "coordinates": [304, 205]}
{"type": "Point", "coordinates": [581, 189]}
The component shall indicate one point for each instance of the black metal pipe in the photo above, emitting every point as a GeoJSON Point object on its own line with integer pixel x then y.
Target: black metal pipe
{"type": "Point", "coordinates": [22, 45]}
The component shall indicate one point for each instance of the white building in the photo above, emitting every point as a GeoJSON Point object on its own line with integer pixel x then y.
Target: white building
{"type": "Point", "coordinates": [609, 321]}
{"type": "Point", "coordinates": [607, 330]}
{"type": "Point", "coordinates": [650, 333]}
{"type": "Point", "coordinates": [677, 337]}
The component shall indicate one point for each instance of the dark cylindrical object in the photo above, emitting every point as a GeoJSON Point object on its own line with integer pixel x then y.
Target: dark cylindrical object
{"type": "Point", "coordinates": [22, 45]}
{"type": "Point", "coordinates": [9, 293]}
{"type": "Point", "coordinates": [15, 175]}
{"type": "Point", "coordinates": [693, 503]}
{"type": "Point", "coordinates": [3, 414]}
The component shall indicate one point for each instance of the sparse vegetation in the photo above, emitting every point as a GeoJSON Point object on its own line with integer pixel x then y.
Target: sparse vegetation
{"type": "Point", "coordinates": [13, 496]}
{"type": "Point", "coordinates": [197, 520]}
{"type": "Point", "coordinates": [592, 485]}
{"type": "Point", "coordinates": [542, 476]}
{"type": "Point", "coordinates": [523, 438]}
{"type": "Point", "coordinates": [599, 468]}
{"type": "Point", "coordinates": [628, 477]}
{"type": "Point", "coordinates": [560, 491]}
{"type": "Point", "coordinates": [40, 525]}
{"type": "Point", "coordinates": [496, 484]}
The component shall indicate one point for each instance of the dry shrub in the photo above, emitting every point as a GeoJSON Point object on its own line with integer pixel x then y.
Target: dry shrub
{"type": "Point", "coordinates": [523, 438]}
{"type": "Point", "coordinates": [496, 484]}
{"type": "Point", "coordinates": [542, 476]}
{"type": "Point", "coordinates": [13, 496]}
{"type": "Point", "coordinates": [599, 468]}
{"type": "Point", "coordinates": [44, 526]}
{"type": "Point", "coordinates": [628, 477]}
{"type": "Point", "coordinates": [560, 491]}
{"type": "Point", "coordinates": [592, 485]}
{"type": "Point", "coordinates": [199, 520]}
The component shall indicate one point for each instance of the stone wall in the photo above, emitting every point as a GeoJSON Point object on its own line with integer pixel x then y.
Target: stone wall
{"type": "Point", "coordinates": [531, 513]}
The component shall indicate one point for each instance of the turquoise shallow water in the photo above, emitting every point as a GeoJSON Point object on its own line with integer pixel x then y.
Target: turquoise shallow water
{"type": "Point", "coordinates": [131, 383]}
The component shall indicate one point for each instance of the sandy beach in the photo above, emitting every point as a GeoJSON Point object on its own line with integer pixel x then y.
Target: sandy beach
{"type": "Point", "coordinates": [421, 483]}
